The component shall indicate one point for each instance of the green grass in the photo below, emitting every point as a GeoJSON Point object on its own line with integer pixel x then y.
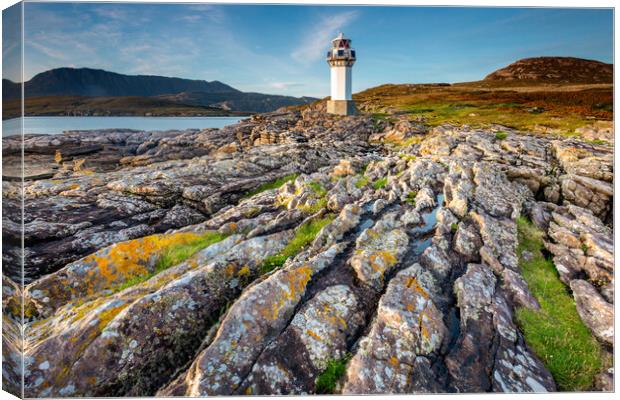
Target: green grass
{"type": "Point", "coordinates": [555, 332]}
{"type": "Point", "coordinates": [411, 198]}
{"type": "Point", "coordinates": [380, 183]}
{"type": "Point", "coordinates": [454, 227]}
{"type": "Point", "coordinates": [304, 235]}
{"type": "Point", "coordinates": [320, 204]}
{"type": "Point", "coordinates": [361, 182]}
{"type": "Point", "coordinates": [407, 157]}
{"type": "Point", "coordinates": [326, 381]}
{"type": "Point", "coordinates": [174, 256]}
{"type": "Point", "coordinates": [317, 188]}
{"type": "Point", "coordinates": [501, 135]}
{"type": "Point", "coordinates": [271, 185]}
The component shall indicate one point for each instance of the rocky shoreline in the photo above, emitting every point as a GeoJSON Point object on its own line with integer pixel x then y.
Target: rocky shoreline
{"type": "Point", "coordinates": [414, 278]}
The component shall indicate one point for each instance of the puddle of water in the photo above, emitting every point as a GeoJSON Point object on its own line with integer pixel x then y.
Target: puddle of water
{"type": "Point", "coordinates": [429, 220]}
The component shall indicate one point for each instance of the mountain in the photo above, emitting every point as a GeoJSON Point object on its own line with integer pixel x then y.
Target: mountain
{"type": "Point", "coordinates": [555, 70]}
{"type": "Point", "coordinates": [238, 101]}
{"type": "Point", "coordinates": [97, 82]}
{"type": "Point", "coordinates": [87, 82]}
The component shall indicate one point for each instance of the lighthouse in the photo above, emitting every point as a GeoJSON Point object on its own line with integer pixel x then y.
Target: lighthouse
{"type": "Point", "coordinates": [341, 58]}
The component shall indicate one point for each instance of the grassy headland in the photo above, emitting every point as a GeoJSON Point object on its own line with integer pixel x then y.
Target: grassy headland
{"type": "Point", "coordinates": [531, 106]}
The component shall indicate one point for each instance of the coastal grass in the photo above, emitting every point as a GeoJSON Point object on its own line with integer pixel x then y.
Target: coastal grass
{"type": "Point", "coordinates": [555, 332]}
{"type": "Point", "coordinates": [380, 183]}
{"type": "Point", "coordinates": [361, 182]}
{"type": "Point", "coordinates": [175, 255]}
{"type": "Point", "coordinates": [539, 108]}
{"type": "Point", "coordinates": [501, 135]}
{"type": "Point", "coordinates": [411, 198]}
{"type": "Point", "coordinates": [271, 185]}
{"type": "Point", "coordinates": [327, 380]}
{"type": "Point", "coordinates": [304, 235]}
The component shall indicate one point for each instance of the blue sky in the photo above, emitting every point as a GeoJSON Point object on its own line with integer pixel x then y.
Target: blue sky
{"type": "Point", "coordinates": [280, 49]}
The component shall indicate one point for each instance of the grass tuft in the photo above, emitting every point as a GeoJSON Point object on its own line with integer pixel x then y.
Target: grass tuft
{"type": "Point", "coordinates": [361, 182]}
{"type": "Point", "coordinates": [380, 183]}
{"type": "Point", "coordinates": [317, 188]}
{"type": "Point", "coordinates": [271, 185]}
{"type": "Point", "coordinates": [555, 332]}
{"type": "Point", "coordinates": [411, 198]}
{"type": "Point", "coordinates": [327, 380]}
{"type": "Point", "coordinates": [407, 157]}
{"type": "Point", "coordinates": [304, 235]}
{"type": "Point", "coordinates": [501, 135]}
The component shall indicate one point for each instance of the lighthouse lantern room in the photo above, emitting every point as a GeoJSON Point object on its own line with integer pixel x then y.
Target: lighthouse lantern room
{"type": "Point", "coordinates": [341, 58]}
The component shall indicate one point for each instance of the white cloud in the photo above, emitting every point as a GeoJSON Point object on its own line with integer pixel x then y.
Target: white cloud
{"type": "Point", "coordinates": [48, 51]}
{"type": "Point", "coordinates": [316, 39]}
{"type": "Point", "coordinates": [285, 85]}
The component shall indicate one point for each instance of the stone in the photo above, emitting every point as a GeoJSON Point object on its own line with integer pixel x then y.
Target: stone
{"type": "Point", "coordinates": [596, 313]}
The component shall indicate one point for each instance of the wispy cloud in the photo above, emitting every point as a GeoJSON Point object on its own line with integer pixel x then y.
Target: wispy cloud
{"type": "Point", "coordinates": [286, 85]}
{"type": "Point", "coordinates": [48, 51]}
{"type": "Point", "coordinates": [314, 41]}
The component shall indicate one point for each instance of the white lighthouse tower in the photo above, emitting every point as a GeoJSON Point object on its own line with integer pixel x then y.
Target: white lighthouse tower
{"type": "Point", "coordinates": [341, 58]}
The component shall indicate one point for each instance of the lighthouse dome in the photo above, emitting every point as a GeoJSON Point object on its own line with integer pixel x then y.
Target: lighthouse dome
{"type": "Point", "coordinates": [341, 52]}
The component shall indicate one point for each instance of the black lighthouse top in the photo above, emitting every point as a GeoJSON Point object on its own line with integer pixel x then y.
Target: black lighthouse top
{"type": "Point", "coordinates": [341, 53]}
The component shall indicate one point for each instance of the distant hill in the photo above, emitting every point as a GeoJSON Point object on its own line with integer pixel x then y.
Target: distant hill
{"type": "Point", "coordinates": [238, 101]}
{"type": "Point", "coordinates": [87, 82]}
{"type": "Point", "coordinates": [555, 70]}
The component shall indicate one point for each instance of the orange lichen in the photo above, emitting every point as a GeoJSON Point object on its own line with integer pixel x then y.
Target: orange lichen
{"type": "Point", "coordinates": [381, 260]}
{"type": "Point", "coordinates": [296, 281]}
{"type": "Point", "coordinates": [132, 258]}
{"type": "Point", "coordinates": [413, 284]}
{"type": "Point", "coordinates": [314, 335]}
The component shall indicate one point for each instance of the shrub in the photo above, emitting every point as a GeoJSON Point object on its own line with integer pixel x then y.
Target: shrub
{"type": "Point", "coordinates": [454, 227]}
{"type": "Point", "coordinates": [555, 332]}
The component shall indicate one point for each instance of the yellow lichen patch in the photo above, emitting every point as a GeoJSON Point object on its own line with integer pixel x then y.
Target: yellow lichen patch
{"type": "Point", "coordinates": [381, 260]}
{"type": "Point", "coordinates": [295, 282]}
{"type": "Point", "coordinates": [372, 233]}
{"type": "Point", "coordinates": [244, 272]}
{"type": "Point", "coordinates": [394, 361]}
{"type": "Point", "coordinates": [108, 315]}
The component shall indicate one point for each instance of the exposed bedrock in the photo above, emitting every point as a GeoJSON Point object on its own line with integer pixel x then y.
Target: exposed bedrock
{"type": "Point", "coordinates": [254, 258]}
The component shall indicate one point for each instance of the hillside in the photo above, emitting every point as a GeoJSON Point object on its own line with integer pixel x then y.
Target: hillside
{"type": "Point", "coordinates": [554, 70]}
{"type": "Point", "coordinates": [107, 106]}
{"type": "Point", "coordinates": [540, 95]}
{"type": "Point", "coordinates": [87, 82]}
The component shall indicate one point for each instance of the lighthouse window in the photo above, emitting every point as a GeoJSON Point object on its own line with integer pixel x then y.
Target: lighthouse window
{"type": "Point", "coordinates": [340, 53]}
{"type": "Point", "coordinates": [353, 53]}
